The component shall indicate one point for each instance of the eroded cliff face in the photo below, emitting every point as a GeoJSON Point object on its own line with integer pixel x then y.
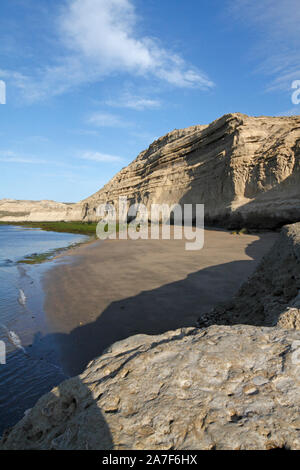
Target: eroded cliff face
{"type": "Point", "coordinates": [246, 170]}
{"type": "Point", "coordinates": [38, 211]}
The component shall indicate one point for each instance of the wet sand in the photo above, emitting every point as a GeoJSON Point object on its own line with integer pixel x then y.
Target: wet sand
{"type": "Point", "coordinates": [103, 292]}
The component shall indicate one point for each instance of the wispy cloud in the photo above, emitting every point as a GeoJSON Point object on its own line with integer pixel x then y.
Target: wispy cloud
{"type": "Point", "coordinates": [8, 156]}
{"type": "Point", "coordinates": [278, 49]}
{"type": "Point", "coordinates": [101, 157]}
{"type": "Point", "coordinates": [86, 132]}
{"type": "Point", "coordinates": [134, 102]}
{"type": "Point", "coordinates": [105, 33]}
{"type": "Point", "coordinates": [100, 119]}
{"type": "Point", "coordinates": [276, 16]}
{"type": "Point", "coordinates": [98, 38]}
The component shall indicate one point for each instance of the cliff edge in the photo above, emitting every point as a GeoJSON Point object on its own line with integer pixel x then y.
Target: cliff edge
{"type": "Point", "coordinates": [246, 170]}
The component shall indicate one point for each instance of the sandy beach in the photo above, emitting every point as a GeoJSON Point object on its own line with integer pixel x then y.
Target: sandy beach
{"type": "Point", "coordinates": [105, 291]}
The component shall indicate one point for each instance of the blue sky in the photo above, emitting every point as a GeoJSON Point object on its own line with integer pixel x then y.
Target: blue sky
{"type": "Point", "coordinates": [91, 83]}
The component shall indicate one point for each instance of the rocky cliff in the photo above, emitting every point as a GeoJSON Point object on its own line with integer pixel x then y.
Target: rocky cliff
{"type": "Point", "coordinates": [246, 170]}
{"type": "Point", "coordinates": [38, 211]}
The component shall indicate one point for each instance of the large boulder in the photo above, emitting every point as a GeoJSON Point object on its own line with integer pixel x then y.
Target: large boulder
{"type": "Point", "coordinates": [217, 388]}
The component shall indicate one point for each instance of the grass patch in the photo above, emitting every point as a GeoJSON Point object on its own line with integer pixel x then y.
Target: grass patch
{"type": "Point", "coordinates": [78, 228]}
{"type": "Point", "coordinates": [81, 228]}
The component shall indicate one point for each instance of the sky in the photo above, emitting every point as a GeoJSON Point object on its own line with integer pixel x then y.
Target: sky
{"type": "Point", "coordinates": [91, 83]}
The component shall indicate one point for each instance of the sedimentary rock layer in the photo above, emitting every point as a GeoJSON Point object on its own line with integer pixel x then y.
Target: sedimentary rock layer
{"type": "Point", "coordinates": [217, 388]}
{"type": "Point", "coordinates": [246, 170]}
{"type": "Point", "coordinates": [38, 211]}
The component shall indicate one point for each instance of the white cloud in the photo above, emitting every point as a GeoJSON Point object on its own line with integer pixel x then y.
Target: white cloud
{"type": "Point", "coordinates": [104, 29]}
{"type": "Point", "coordinates": [100, 119]}
{"type": "Point", "coordinates": [8, 156]}
{"type": "Point", "coordinates": [89, 132]}
{"type": "Point", "coordinates": [104, 33]}
{"type": "Point", "coordinates": [134, 102]}
{"type": "Point", "coordinates": [98, 38]}
{"type": "Point", "coordinates": [100, 157]}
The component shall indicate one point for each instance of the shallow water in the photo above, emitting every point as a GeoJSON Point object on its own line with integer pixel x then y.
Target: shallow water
{"type": "Point", "coordinates": [34, 370]}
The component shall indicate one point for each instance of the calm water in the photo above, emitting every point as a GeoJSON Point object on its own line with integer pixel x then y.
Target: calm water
{"type": "Point", "coordinates": [34, 370]}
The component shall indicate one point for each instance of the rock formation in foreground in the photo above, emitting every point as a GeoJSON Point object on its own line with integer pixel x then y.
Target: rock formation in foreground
{"type": "Point", "coordinates": [271, 297]}
{"type": "Point", "coordinates": [246, 170]}
{"type": "Point", "coordinates": [217, 388]}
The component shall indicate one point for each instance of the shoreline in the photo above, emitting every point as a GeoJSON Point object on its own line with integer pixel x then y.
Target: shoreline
{"type": "Point", "coordinates": [79, 228]}
{"type": "Point", "coordinates": [89, 230]}
{"type": "Point", "coordinates": [105, 291]}
{"type": "Point", "coordinates": [32, 365]}
{"type": "Point", "coordinates": [39, 258]}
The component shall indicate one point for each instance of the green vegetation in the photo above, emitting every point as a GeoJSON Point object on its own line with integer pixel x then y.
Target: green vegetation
{"type": "Point", "coordinates": [242, 231]}
{"type": "Point", "coordinates": [79, 228]}
{"type": "Point", "coordinates": [83, 228]}
{"type": "Point", "coordinates": [37, 258]}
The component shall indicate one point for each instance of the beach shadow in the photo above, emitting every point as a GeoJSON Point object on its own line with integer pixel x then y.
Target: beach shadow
{"type": "Point", "coordinates": [169, 307]}
{"type": "Point", "coordinates": [68, 418]}
{"type": "Point", "coordinates": [72, 418]}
